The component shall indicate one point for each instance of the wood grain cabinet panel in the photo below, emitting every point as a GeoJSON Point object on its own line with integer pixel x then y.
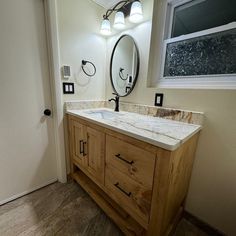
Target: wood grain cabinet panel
{"type": "Point", "coordinates": [132, 196]}
{"type": "Point", "coordinates": [95, 153]}
{"type": "Point", "coordinates": [79, 139]}
{"type": "Point", "coordinates": [135, 162]}
{"type": "Point", "coordinates": [87, 146]}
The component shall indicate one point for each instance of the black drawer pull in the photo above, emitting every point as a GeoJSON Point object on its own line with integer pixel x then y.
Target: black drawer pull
{"type": "Point", "coordinates": [123, 159]}
{"type": "Point", "coordinates": [84, 154]}
{"type": "Point", "coordinates": [122, 190]}
{"type": "Point", "coordinates": [80, 147]}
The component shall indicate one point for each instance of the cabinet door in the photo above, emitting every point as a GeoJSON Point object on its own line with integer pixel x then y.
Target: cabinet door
{"type": "Point", "coordinates": [95, 153]}
{"type": "Point", "coordinates": [79, 140]}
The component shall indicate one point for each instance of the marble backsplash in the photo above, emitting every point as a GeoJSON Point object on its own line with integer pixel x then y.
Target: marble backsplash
{"type": "Point", "coordinates": [82, 105]}
{"type": "Point", "coordinates": [190, 117]}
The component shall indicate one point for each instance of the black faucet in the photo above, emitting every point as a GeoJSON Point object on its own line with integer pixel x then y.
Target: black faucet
{"type": "Point", "coordinates": [116, 100]}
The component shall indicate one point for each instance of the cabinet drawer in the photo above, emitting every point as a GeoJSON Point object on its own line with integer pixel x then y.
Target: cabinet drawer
{"type": "Point", "coordinates": [131, 196]}
{"type": "Point", "coordinates": [133, 161]}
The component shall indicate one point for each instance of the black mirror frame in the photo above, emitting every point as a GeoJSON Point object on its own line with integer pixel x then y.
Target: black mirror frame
{"type": "Point", "coordinates": [137, 69]}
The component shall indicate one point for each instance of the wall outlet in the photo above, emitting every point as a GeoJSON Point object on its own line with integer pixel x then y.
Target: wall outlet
{"type": "Point", "coordinates": [159, 99]}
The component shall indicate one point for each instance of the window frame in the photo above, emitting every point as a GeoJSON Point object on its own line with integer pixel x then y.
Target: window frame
{"type": "Point", "coordinates": [218, 81]}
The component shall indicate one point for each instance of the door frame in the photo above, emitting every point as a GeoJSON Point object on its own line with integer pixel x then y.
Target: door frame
{"type": "Point", "coordinates": [51, 22]}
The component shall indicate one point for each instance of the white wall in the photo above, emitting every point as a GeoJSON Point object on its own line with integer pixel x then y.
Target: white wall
{"type": "Point", "coordinates": [79, 38]}
{"type": "Point", "coordinates": [212, 192]}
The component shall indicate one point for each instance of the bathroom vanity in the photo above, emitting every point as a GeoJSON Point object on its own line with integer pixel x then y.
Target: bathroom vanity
{"type": "Point", "coordinates": [136, 167]}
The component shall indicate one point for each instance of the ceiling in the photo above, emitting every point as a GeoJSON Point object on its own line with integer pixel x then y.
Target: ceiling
{"type": "Point", "coordinates": [106, 3]}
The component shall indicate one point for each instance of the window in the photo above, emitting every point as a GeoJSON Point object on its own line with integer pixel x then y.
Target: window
{"type": "Point", "coordinates": [200, 43]}
{"type": "Point", "coordinates": [197, 15]}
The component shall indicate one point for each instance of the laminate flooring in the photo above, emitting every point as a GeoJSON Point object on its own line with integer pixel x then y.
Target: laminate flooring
{"type": "Point", "coordinates": [64, 210]}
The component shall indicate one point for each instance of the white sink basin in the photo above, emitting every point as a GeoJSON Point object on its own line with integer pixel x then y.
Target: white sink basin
{"type": "Point", "coordinates": [103, 114]}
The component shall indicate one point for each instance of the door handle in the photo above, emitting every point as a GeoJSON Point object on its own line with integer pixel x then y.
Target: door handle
{"type": "Point", "coordinates": [47, 112]}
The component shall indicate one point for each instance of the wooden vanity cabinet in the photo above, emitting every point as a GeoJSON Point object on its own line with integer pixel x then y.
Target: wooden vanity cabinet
{"type": "Point", "coordinates": [141, 187]}
{"type": "Point", "coordinates": [87, 149]}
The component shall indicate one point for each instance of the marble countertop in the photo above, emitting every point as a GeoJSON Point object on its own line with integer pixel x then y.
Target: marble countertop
{"type": "Point", "coordinates": [167, 134]}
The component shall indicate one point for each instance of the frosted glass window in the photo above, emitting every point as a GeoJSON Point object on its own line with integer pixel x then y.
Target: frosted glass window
{"type": "Point", "coordinates": [212, 54]}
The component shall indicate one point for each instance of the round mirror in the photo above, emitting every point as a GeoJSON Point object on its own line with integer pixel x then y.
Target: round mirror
{"type": "Point", "coordinates": [124, 67]}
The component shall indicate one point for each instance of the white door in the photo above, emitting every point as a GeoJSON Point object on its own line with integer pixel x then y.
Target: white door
{"type": "Point", "coordinates": [27, 149]}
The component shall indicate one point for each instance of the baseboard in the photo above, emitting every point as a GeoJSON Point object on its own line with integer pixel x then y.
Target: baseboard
{"type": "Point", "coordinates": [202, 225]}
{"type": "Point", "coordinates": [14, 197]}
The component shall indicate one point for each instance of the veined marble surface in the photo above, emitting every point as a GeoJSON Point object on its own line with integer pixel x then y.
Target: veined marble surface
{"type": "Point", "coordinates": [191, 117]}
{"type": "Point", "coordinates": [164, 133]}
{"type": "Point", "coordinates": [84, 104]}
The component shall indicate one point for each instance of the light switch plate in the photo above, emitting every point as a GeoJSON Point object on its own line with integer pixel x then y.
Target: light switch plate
{"type": "Point", "coordinates": [159, 99]}
{"type": "Point", "coordinates": [68, 88]}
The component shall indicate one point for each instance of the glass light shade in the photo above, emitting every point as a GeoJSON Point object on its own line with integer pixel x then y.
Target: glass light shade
{"type": "Point", "coordinates": [136, 13]}
{"type": "Point", "coordinates": [119, 22]}
{"type": "Point", "coordinates": [105, 27]}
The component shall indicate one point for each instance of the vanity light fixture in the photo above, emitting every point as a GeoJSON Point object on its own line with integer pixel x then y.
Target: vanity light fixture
{"type": "Point", "coordinates": [105, 27]}
{"type": "Point", "coordinates": [119, 22]}
{"type": "Point", "coordinates": [133, 8]}
{"type": "Point", "coordinates": [136, 13]}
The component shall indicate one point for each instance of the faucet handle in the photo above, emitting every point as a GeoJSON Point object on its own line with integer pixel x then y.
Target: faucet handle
{"type": "Point", "coordinates": [115, 94]}
{"type": "Point", "coordinates": [116, 100]}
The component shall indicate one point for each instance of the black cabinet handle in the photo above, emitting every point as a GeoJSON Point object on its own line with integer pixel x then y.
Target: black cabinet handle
{"type": "Point", "coordinates": [122, 190]}
{"type": "Point", "coordinates": [123, 159]}
{"type": "Point", "coordinates": [84, 154]}
{"type": "Point", "coordinates": [81, 150]}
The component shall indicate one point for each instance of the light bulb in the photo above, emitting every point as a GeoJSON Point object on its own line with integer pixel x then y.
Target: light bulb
{"type": "Point", "coordinates": [105, 27]}
{"type": "Point", "coordinates": [119, 22]}
{"type": "Point", "coordinates": [136, 13]}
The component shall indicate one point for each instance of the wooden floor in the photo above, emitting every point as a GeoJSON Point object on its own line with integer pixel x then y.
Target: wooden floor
{"type": "Point", "coordinates": [64, 209]}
